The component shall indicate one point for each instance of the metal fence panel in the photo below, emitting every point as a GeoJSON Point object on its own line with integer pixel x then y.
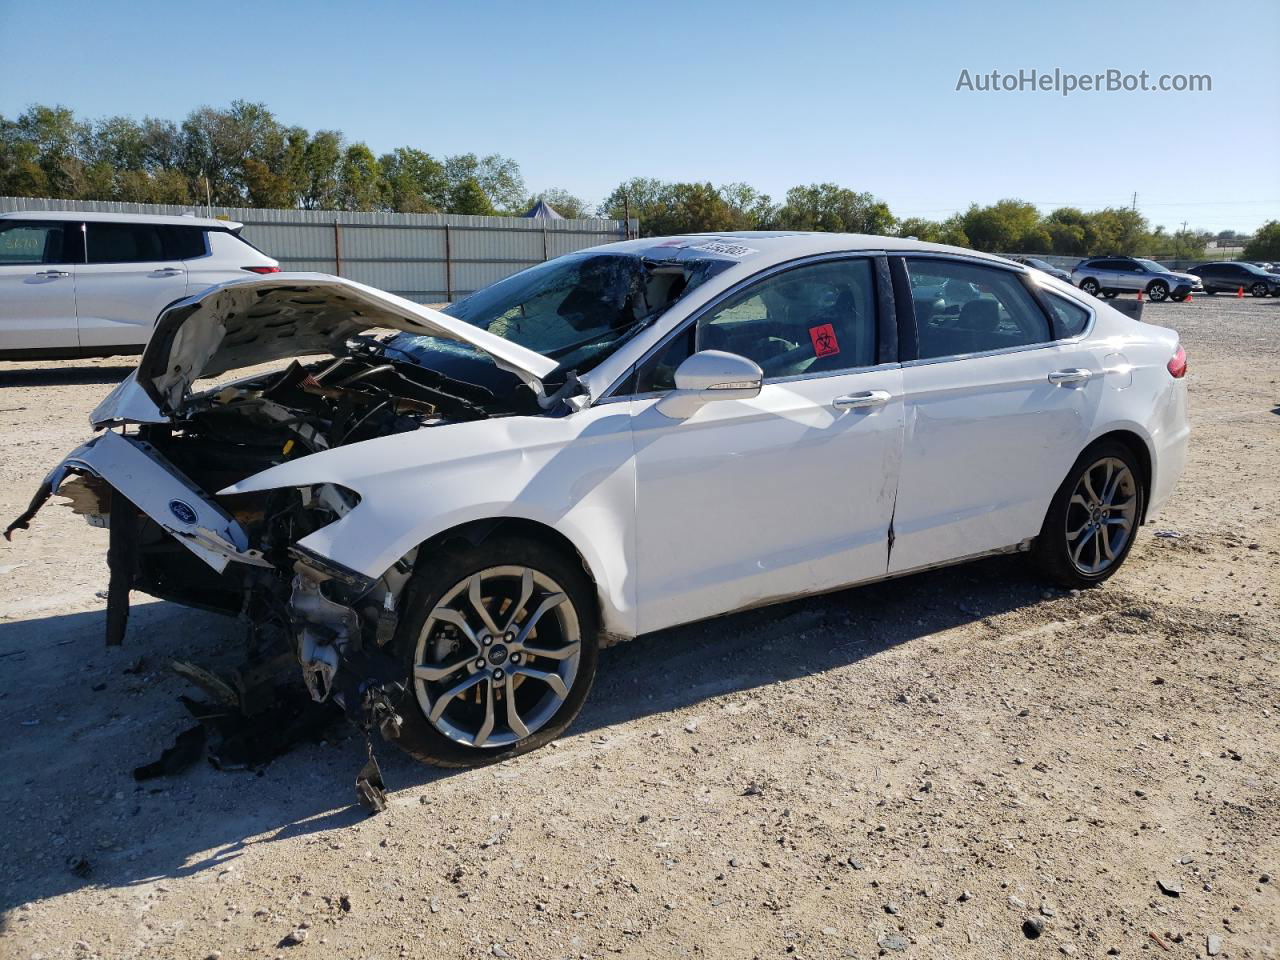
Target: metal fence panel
{"type": "Point", "coordinates": [428, 257]}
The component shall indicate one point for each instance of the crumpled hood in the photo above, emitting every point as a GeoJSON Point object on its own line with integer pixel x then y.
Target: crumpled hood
{"type": "Point", "coordinates": [279, 317]}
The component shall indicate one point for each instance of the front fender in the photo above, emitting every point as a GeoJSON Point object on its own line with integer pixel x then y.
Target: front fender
{"type": "Point", "coordinates": [574, 474]}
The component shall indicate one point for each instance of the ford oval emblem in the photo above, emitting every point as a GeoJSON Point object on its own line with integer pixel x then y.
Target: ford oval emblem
{"type": "Point", "coordinates": [183, 511]}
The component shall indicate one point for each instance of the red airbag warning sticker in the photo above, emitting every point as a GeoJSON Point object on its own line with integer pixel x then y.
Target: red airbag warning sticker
{"type": "Point", "coordinates": [824, 340]}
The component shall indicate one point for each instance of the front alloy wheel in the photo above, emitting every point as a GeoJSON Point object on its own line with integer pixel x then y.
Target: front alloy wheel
{"type": "Point", "coordinates": [497, 656]}
{"type": "Point", "coordinates": [498, 642]}
{"type": "Point", "coordinates": [1090, 286]}
{"type": "Point", "coordinates": [1259, 290]}
{"type": "Point", "coordinates": [1159, 290]}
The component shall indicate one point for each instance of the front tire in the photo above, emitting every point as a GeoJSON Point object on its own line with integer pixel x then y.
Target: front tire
{"type": "Point", "coordinates": [1093, 518]}
{"type": "Point", "coordinates": [1258, 289]}
{"type": "Point", "coordinates": [499, 644]}
{"type": "Point", "coordinates": [1090, 286]}
{"type": "Point", "coordinates": [1158, 290]}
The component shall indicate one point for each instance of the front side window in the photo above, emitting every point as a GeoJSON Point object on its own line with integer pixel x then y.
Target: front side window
{"type": "Point", "coordinates": [809, 320]}
{"type": "Point", "coordinates": [124, 242]}
{"type": "Point", "coordinates": [815, 319]}
{"type": "Point", "coordinates": [23, 242]}
{"type": "Point", "coordinates": [968, 308]}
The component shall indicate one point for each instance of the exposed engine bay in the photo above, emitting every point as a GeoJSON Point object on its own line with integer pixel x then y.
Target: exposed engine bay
{"type": "Point", "coordinates": [297, 610]}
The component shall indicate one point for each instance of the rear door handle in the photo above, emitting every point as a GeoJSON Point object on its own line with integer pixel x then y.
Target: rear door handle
{"type": "Point", "coordinates": [863, 398]}
{"type": "Point", "coordinates": [1061, 378]}
{"type": "Point", "coordinates": [53, 273]}
{"type": "Point", "coordinates": [168, 271]}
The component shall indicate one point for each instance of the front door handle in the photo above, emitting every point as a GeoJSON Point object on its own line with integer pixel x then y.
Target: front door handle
{"type": "Point", "coordinates": [863, 398]}
{"type": "Point", "coordinates": [1062, 378]}
{"type": "Point", "coordinates": [53, 273]}
{"type": "Point", "coordinates": [168, 271]}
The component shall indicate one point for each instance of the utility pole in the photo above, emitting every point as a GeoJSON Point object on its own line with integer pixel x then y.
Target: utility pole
{"type": "Point", "coordinates": [1135, 201]}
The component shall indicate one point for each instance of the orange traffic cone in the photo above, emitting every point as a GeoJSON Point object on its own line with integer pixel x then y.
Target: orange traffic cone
{"type": "Point", "coordinates": [1240, 293]}
{"type": "Point", "coordinates": [1139, 296]}
{"type": "Point", "coordinates": [1188, 300]}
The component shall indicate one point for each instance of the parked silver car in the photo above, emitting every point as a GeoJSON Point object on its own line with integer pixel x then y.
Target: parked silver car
{"type": "Point", "coordinates": [1110, 276]}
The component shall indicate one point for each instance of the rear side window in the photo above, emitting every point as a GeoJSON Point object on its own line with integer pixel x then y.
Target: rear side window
{"type": "Point", "coordinates": [1069, 318]}
{"type": "Point", "coordinates": [183, 243]}
{"type": "Point", "coordinates": [124, 242]}
{"type": "Point", "coordinates": [967, 308]}
{"type": "Point", "coordinates": [27, 242]}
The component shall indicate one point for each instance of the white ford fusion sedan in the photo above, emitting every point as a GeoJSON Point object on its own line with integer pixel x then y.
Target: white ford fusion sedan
{"type": "Point", "coordinates": [443, 515]}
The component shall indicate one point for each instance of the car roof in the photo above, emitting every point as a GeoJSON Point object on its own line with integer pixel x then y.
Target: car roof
{"type": "Point", "coordinates": [94, 216]}
{"type": "Point", "coordinates": [761, 248]}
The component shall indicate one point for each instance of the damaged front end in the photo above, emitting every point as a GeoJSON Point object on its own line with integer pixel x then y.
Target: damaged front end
{"type": "Point", "coordinates": [153, 474]}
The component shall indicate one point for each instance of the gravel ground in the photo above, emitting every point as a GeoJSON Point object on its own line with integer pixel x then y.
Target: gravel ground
{"type": "Point", "coordinates": [950, 765]}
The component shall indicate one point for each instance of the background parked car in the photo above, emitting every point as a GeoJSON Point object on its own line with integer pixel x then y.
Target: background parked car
{"type": "Point", "coordinates": [1227, 277]}
{"type": "Point", "coordinates": [92, 284]}
{"type": "Point", "coordinates": [1110, 276]}
{"type": "Point", "coordinates": [1044, 265]}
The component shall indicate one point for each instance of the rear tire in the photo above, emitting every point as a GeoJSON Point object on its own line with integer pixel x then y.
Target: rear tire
{"type": "Point", "coordinates": [1093, 517]}
{"type": "Point", "coordinates": [442, 628]}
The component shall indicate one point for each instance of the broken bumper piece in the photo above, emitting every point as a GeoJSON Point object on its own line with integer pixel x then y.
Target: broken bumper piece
{"type": "Point", "coordinates": [158, 489]}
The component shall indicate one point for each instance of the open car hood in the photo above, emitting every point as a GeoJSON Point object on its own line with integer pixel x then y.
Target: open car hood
{"type": "Point", "coordinates": [279, 317]}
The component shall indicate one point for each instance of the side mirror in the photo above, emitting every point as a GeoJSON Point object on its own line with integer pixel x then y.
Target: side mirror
{"type": "Point", "coordinates": [710, 375]}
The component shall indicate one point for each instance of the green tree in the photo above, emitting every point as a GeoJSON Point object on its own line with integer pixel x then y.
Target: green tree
{"type": "Point", "coordinates": [497, 176]}
{"type": "Point", "coordinates": [640, 197]}
{"type": "Point", "coordinates": [360, 184]}
{"type": "Point", "coordinates": [1007, 226]}
{"type": "Point", "coordinates": [469, 197]}
{"type": "Point", "coordinates": [321, 162]}
{"type": "Point", "coordinates": [416, 181]}
{"type": "Point", "coordinates": [832, 208]}
{"type": "Point", "coordinates": [1265, 242]}
{"type": "Point", "coordinates": [749, 209]}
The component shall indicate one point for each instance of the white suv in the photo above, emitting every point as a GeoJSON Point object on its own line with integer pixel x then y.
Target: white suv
{"type": "Point", "coordinates": [92, 284]}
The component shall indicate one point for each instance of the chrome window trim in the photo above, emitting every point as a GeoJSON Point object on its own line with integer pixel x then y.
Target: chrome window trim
{"type": "Point", "coordinates": [609, 395]}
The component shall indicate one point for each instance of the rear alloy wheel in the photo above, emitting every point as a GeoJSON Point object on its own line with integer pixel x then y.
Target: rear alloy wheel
{"type": "Point", "coordinates": [1091, 524]}
{"type": "Point", "coordinates": [1090, 286]}
{"type": "Point", "coordinates": [501, 647]}
{"type": "Point", "coordinates": [1259, 290]}
{"type": "Point", "coordinates": [1159, 290]}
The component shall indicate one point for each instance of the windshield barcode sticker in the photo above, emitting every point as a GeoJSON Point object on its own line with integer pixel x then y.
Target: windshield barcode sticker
{"type": "Point", "coordinates": [725, 248]}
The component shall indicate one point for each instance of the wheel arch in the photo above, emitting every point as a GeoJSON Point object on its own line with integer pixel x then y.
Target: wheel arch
{"type": "Point", "coordinates": [475, 532]}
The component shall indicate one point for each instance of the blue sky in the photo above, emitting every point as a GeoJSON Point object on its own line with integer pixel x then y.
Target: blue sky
{"type": "Point", "coordinates": [584, 95]}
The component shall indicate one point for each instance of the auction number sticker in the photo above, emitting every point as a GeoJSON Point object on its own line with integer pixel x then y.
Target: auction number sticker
{"type": "Point", "coordinates": [725, 248]}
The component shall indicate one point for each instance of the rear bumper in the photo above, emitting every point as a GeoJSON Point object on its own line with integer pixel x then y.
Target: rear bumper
{"type": "Point", "coordinates": [1170, 443]}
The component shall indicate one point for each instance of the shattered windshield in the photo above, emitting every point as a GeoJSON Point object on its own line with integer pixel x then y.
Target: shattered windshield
{"type": "Point", "coordinates": [575, 309]}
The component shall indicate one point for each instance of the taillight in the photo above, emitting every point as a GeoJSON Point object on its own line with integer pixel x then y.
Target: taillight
{"type": "Point", "coordinates": [1178, 365]}
{"type": "Point", "coordinates": [261, 269]}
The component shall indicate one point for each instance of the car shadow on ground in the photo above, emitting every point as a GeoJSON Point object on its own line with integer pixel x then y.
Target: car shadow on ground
{"type": "Point", "coordinates": [13, 375]}
{"type": "Point", "coordinates": [203, 819]}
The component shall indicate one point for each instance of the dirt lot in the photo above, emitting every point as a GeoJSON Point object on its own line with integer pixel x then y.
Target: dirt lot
{"type": "Point", "coordinates": [925, 768]}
